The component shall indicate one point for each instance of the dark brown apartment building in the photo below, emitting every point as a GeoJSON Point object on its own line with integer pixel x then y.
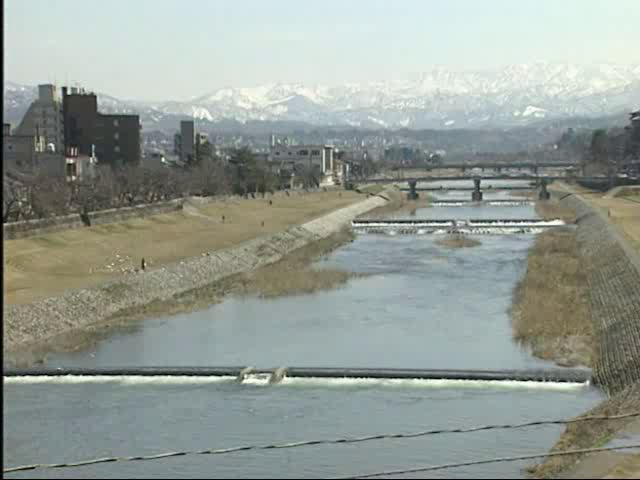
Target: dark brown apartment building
{"type": "Point", "coordinates": [116, 138]}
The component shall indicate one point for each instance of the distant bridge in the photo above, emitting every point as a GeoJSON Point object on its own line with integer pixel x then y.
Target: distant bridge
{"type": "Point", "coordinates": [531, 178]}
{"type": "Point", "coordinates": [464, 189]}
{"type": "Point", "coordinates": [494, 165]}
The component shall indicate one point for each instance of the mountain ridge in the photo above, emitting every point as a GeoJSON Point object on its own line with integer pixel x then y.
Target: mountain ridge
{"type": "Point", "coordinates": [517, 95]}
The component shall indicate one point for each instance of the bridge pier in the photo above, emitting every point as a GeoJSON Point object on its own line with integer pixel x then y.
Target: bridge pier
{"type": "Point", "coordinates": [412, 195]}
{"type": "Point", "coordinates": [544, 193]}
{"type": "Point", "coordinates": [476, 195]}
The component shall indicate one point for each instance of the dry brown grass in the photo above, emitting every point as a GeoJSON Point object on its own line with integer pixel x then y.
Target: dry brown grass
{"type": "Point", "coordinates": [48, 265]}
{"type": "Point", "coordinates": [293, 275]}
{"type": "Point", "coordinates": [551, 209]}
{"type": "Point", "coordinates": [458, 241]}
{"type": "Point", "coordinates": [550, 310]}
{"type": "Point", "coordinates": [624, 214]}
{"type": "Point", "coordinates": [629, 467]}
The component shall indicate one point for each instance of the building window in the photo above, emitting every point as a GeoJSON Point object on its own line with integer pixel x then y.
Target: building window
{"type": "Point", "coordinates": [303, 152]}
{"type": "Point", "coordinates": [315, 153]}
{"type": "Point", "coordinates": [71, 170]}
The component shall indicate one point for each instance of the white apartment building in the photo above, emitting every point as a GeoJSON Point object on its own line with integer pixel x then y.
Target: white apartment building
{"type": "Point", "coordinates": [306, 155]}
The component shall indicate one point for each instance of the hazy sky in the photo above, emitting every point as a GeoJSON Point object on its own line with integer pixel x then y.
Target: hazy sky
{"type": "Point", "coordinates": [176, 49]}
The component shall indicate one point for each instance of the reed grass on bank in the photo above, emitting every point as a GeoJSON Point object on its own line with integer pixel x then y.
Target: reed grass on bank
{"type": "Point", "coordinates": [550, 310]}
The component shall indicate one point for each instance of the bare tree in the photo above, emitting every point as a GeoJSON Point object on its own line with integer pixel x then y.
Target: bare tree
{"type": "Point", "coordinates": [49, 196]}
{"type": "Point", "coordinates": [14, 207]}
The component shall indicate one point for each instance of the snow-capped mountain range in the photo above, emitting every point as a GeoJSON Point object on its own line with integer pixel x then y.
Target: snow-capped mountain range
{"type": "Point", "coordinates": [441, 98]}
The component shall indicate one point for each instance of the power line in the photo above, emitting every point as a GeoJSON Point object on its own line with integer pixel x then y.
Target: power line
{"type": "Point", "coordinates": [490, 460]}
{"type": "Point", "coordinates": [222, 451]}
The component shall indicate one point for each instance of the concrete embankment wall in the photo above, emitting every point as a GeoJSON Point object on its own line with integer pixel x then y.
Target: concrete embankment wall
{"type": "Point", "coordinates": [614, 293]}
{"type": "Point", "coordinates": [29, 228]}
{"type": "Point", "coordinates": [37, 322]}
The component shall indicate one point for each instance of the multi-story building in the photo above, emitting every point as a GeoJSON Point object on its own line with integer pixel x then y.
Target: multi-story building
{"type": "Point", "coordinates": [114, 139]}
{"type": "Point", "coordinates": [118, 139]}
{"type": "Point", "coordinates": [292, 158]}
{"type": "Point", "coordinates": [19, 151]}
{"type": "Point", "coordinates": [187, 141]}
{"type": "Point", "coordinates": [80, 112]}
{"type": "Point", "coordinates": [318, 156]}
{"type": "Point", "coordinates": [44, 119]}
{"type": "Point", "coordinates": [27, 154]}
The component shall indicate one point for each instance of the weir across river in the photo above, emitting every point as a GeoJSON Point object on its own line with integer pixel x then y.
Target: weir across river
{"type": "Point", "coordinates": [564, 375]}
{"type": "Point", "coordinates": [473, 226]}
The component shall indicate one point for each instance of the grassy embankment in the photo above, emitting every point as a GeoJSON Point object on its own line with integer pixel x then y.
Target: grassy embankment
{"type": "Point", "coordinates": [291, 275]}
{"type": "Point", "coordinates": [49, 264]}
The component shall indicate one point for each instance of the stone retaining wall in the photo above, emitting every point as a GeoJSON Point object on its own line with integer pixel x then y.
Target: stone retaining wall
{"type": "Point", "coordinates": [39, 321]}
{"type": "Point", "coordinates": [29, 228]}
{"type": "Point", "coordinates": [614, 290]}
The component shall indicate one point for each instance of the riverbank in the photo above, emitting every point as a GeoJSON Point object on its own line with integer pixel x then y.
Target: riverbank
{"type": "Point", "coordinates": [290, 275]}
{"type": "Point", "coordinates": [559, 328]}
{"type": "Point", "coordinates": [81, 316]}
{"type": "Point", "coordinates": [398, 204]}
{"type": "Point", "coordinates": [48, 265]}
{"type": "Point", "coordinates": [612, 269]}
{"type": "Point", "coordinates": [594, 434]}
{"type": "Point", "coordinates": [622, 210]}
{"type": "Point", "coordinates": [550, 313]}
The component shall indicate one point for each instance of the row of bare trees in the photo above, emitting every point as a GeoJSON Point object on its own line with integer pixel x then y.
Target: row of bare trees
{"type": "Point", "coordinates": [40, 196]}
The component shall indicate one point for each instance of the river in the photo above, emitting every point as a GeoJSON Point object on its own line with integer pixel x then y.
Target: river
{"type": "Point", "coordinates": [419, 306]}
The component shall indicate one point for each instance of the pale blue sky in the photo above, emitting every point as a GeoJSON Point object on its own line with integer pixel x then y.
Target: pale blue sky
{"type": "Point", "coordinates": [176, 49]}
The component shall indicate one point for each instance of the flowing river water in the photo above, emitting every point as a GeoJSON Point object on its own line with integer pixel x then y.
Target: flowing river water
{"type": "Point", "coordinates": [420, 306]}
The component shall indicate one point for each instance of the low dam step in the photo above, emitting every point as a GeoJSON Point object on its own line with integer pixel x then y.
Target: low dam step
{"type": "Point", "coordinates": [483, 203]}
{"type": "Point", "coordinates": [518, 222]}
{"type": "Point", "coordinates": [453, 226]}
{"type": "Point", "coordinates": [563, 375]}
